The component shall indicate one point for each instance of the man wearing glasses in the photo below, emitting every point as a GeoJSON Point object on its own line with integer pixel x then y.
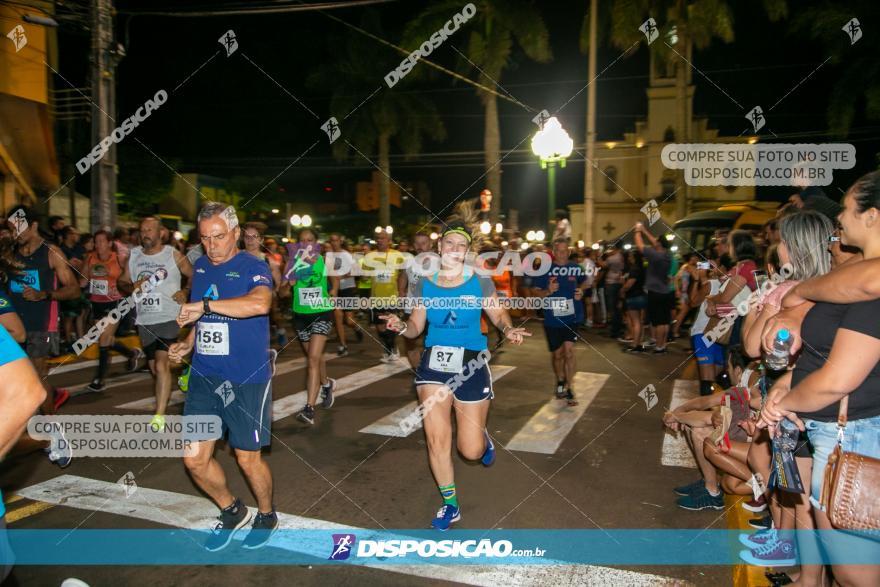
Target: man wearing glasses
{"type": "Point", "coordinates": [231, 374]}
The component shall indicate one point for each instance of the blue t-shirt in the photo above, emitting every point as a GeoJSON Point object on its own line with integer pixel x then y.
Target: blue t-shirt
{"type": "Point", "coordinates": [232, 349]}
{"type": "Point", "coordinates": [568, 276]}
{"type": "Point", "coordinates": [9, 351]}
{"type": "Point", "coordinates": [459, 324]}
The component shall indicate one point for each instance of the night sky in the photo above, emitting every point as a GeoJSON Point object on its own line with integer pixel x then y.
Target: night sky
{"type": "Point", "coordinates": [230, 119]}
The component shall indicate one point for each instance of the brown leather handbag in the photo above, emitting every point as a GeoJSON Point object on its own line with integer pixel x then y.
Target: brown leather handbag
{"type": "Point", "coordinates": [851, 485]}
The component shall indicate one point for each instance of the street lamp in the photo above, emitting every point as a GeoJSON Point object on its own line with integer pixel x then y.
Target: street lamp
{"type": "Point", "coordinates": [552, 145]}
{"type": "Point", "coordinates": [306, 220]}
{"type": "Point", "coordinates": [378, 229]}
{"type": "Point", "coordinates": [530, 235]}
{"type": "Point", "coordinates": [389, 229]}
{"type": "Point", "coordinates": [296, 220]}
{"type": "Point", "coordinates": [499, 228]}
{"type": "Point", "coordinates": [540, 236]}
{"type": "Point", "coordinates": [485, 227]}
{"type": "Point", "coordinates": [434, 236]}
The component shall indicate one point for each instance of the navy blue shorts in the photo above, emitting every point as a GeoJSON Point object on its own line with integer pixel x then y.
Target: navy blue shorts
{"type": "Point", "coordinates": [556, 336]}
{"type": "Point", "coordinates": [472, 384]}
{"type": "Point", "coordinates": [244, 408]}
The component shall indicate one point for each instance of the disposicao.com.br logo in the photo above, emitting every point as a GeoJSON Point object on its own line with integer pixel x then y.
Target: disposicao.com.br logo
{"type": "Point", "coordinates": [343, 545]}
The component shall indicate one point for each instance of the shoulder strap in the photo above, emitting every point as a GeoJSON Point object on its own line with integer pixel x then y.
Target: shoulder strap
{"type": "Point", "coordinates": [841, 416]}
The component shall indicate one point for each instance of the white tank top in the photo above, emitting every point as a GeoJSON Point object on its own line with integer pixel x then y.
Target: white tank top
{"type": "Point", "coordinates": [157, 306]}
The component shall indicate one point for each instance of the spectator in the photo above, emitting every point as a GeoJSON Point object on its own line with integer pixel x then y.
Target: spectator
{"type": "Point", "coordinates": [614, 263]}
{"type": "Point", "coordinates": [635, 300]}
{"type": "Point", "coordinates": [660, 299]}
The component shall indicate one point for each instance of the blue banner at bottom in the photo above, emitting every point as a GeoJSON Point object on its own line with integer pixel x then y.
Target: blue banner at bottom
{"type": "Point", "coordinates": [456, 547]}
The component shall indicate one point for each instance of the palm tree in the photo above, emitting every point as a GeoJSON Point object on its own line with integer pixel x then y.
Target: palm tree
{"type": "Point", "coordinates": [860, 79]}
{"type": "Point", "coordinates": [489, 39]}
{"type": "Point", "coordinates": [370, 124]}
{"type": "Point", "coordinates": [684, 25]}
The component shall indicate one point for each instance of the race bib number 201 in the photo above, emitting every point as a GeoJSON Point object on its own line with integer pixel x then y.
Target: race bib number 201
{"type": "Point", "coordinates": [212, 338]}
{"type": "Point", "coordinates": [150, 304]}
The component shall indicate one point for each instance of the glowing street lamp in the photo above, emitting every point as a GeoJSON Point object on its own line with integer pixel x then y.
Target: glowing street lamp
{"type": "Point", "coordinates": [296, 220]}
{"type": "Point", "coordinates": [378, 229]}
{"type": "Point", "coordinates": [552, 145]}
{"type": "Point", "coordinates": [275, 210]}
{"type": "Point", "coordinates": [306, 220]}
{"type": "Point", "coordinates": [499, 228]}
{"type": "Point", "coordinates": [540, 236]}
{"type": "Point", "coordinates": [485, 227]}
{"type": "Point", "coordinates": [434, 236]}
{"type": "Point", "coordinates": [530, 235]}
{"type": "Point", "coordinates": [389, 229]}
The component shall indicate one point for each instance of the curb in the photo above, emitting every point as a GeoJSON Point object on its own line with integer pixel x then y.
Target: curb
{"type": "Point", "coordinates": [744, 575]}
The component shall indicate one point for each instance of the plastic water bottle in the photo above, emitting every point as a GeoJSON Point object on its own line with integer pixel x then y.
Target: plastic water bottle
{"type": "Point", "coordinates": [778, 358]}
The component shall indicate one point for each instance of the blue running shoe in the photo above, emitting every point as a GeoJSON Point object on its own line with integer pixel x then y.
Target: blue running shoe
{"type": "Point", "coordinates": [684, 490]}
{"type": "Point", "coordinates": [446, 516]}
{"type": "Point", "coordinates": [488, 456]}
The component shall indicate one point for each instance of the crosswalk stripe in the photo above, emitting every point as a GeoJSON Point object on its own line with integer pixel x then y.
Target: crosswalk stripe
{"type": "Point", "coordinates": [676, 452]}
{"type": "Point", "coordinates": [546, 430]}
{"type": "Point", "coordinates": [389, 425]}
{"type": "Point", "coordinates": [191, 512]}
{"type": "Point", "coordinates": [177, 397]}
{"type": "Point", "coordinates": [293, 403]}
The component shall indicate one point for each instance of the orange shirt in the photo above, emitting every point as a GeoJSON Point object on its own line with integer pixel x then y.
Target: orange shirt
{"type": "Point", "coordinates": [102, 278]}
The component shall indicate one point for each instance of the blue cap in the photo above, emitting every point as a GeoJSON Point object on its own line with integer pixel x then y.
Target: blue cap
{"type": "Point", "coordinates": [783, 334]}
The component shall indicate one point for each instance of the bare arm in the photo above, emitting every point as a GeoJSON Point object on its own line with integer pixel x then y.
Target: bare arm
{"type": "Point", "coordinates": [12, 323]}
{"type": "Point", "coordinates": [847, 284]}
{"type": "Point", "coordinates": [21, 393]}
{"type": "Point", "coordinates": [69, 289]}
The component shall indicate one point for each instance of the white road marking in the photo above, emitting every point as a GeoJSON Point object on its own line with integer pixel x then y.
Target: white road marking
{"type": "Point", "coordinates": [66, 367]}
{"type": "Point", "coordinates": [188, 511]}
{"type": "Point", "coordinates": [546, 430]}
{"type": "Point", "coordinates": [676, 452]}
{"type": "Point", "coordinates": [177, 397]}
{"type": "Point", "coordinates": [390, 425]}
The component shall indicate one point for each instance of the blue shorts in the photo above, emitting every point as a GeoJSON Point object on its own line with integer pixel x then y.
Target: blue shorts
{"type": "Point", "coordinates": [637, 303]}
{"type": "Point", "coordinates": [557, 336]}
{"type": "Point", "coordinates": [244, 408]}
{"type": "Point", "coordinates": [707, 355]}
{"type": "Point", "coordinates": [860, 436]}
{"type": "Point", "coordinates": [472, 384]}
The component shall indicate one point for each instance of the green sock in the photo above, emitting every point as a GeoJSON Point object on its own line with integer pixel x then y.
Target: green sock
{"type": "Point", "coordinates": [448, 494]}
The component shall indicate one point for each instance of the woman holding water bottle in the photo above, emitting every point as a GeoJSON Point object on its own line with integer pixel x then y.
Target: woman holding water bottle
{"type": "Point", "coordinates": [840, 360]}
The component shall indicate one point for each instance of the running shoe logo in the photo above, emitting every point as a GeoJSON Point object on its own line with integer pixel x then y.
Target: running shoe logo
{"type": "Point", "coordinates": [211, 293]}
{"type": "Point", "coordinates": [342, 546]}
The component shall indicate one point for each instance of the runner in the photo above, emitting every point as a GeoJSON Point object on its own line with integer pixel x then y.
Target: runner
{"type": "Point", "coordinates": [157, 311]}
{"type": "Point", "coordinates": [407, 283]}
{"type": "Point", "coordinates": [254, 244]}
{"type": "Point", "coordinates": [347, 290]}
{"type": "Point", "coordinates": [44, 280]}
{"type": "Point", "coordinates": [102, 271]}
{"type": "Point", "coordinates": [384, 264]}
{"type": "Point", "coordinates": [453, 339]}
{"type": "Point", "coordinates": [564, 284]}
{"type": "Point", "coordinates": [230, 300]}
{"type": "Point", "coordinates": [312, 317]}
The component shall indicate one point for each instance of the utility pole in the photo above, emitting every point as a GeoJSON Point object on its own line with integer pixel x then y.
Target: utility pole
{"type": "Point", "coordinates": [591, 127]}
{"type": "Point", "coordinates": [105, 57]}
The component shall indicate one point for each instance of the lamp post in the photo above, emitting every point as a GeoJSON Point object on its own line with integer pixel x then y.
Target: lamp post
{"type": "Point", "coordinates": [552, 145]}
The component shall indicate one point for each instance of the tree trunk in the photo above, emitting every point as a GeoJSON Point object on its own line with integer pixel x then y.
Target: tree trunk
{"type": "Point", "coordinates": [384, 179]}
{"type": "Point", "coordinates": [492, 154]}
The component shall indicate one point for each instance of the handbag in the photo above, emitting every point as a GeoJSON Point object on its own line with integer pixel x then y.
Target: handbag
{"type": "Point", "coordinates": [850, 485]}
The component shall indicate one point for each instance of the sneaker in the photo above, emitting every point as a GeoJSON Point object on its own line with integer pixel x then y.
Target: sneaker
{"type": "Point", "coordinates": [762, 523]}
{"type": "Point", "coordinates": [684, 490]}
{"type": "Point", "coordinates": [134, 360]}
{"type": "Point", "coordinates": [226, 527]}
{"type": "Point", "coordinates": [327, 398]}
{"type": "Point", "coordinates": [183, 380]}
{"type": "Point", "coordinates": [560, 390]}
{"type": "Point", "coordinates": [635, 349]}
{"type": "Point", "coordinates": [264, 526]}
{"type": "Point", "coordinates": [569, 396]}
{"type": "Point", "coordinates": [386, 358]}
{"type": "Point", "coordinates": [488, 456]}
{"type": "Point", "coordinates": [701, 500]}
{"type": "Point", "coordinates": [759, 538]}
{"type": "Point", "coordinates": [755, 505]}
{"type": "Point", "coordinates": [307, 414]}
{"type": "Point", "coordinates": [157, 423]}
{"type": "Point", "coordinates": [96, 386]}
{"type": "Point", "coordinates": [659, 351]}
{"type": "Point", "coordinates": [446, 516]}
{"type": "Point", "coordinates": [341, 351]}
{"type": "Point", "coordinates": [61, 397]}
{"type": "Point", "coordinates": [651, 342]}
{"type": "Point", "coordinates": [624, 340]}
{"type": "Point", "coordinates": [61, 456]}
{"type": "Point", "coordinates": [775, 553]}
{"type": "Point", "coordinates": [394, 357]}
{"type": "Point", "coordinates": [282, 342]}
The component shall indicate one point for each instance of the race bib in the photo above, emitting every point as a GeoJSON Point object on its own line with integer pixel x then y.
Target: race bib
{"type": "Point", "coordinates": [100, 287]}
{"type": "Point", "coordinates": [27, 278]}
{"type": "Point", "coordinates": [384, 277]}
{"type": "Point", "coordinates": [212, 338]}
{"type": "Point", "coordinates": [150, 304]}
{"type": "Point", "coordinates": [446, 359]}
{"type": "Point", "coordinates": [310, 296]}
{"type": "Point", "coordinates": [563, 307]}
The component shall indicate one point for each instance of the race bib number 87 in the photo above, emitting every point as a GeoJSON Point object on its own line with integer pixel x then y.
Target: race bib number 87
{"type": "Point", "coordinates": [446, 359]}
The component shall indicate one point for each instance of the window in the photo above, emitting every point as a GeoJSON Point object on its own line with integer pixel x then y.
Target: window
{"type": "Point", "coordinates": [610, 180]}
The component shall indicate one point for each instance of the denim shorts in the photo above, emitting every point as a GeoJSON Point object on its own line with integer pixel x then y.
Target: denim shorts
{"type": "Point", "coordinates": [860, 436]}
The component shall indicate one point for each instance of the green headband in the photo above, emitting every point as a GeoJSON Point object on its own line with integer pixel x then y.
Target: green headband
{"type": "Point", "coordinates": [458, 230]}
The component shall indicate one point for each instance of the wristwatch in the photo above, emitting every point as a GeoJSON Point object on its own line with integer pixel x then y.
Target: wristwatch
{"type": "Point", "coordinates": [205, 305]}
